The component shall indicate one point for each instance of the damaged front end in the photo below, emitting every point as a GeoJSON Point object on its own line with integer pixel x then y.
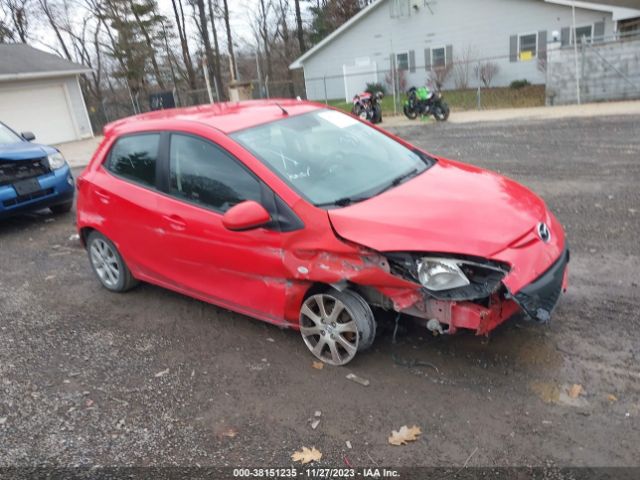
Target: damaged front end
{"type": "Point", "coordinates": [460, 292]}
{"type": "Point", "coordinates": [470, 293]}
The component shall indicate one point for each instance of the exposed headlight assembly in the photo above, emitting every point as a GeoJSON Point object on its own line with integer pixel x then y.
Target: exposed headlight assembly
{"type": "Point", "coordinates": [439, 274]}
{"type": "Point", "coordinates": [56, 161]}
{"type": "Point", "coordinates": [459, 279]}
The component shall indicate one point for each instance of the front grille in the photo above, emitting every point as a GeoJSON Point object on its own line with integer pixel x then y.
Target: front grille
{"type": "Point", "coordinates": [26, 198]}
{"type": "Point", "coordinates": [14, 170]}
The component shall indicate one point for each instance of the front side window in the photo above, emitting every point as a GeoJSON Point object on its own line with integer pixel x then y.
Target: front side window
{"type": "Point", "coordinates": [8, 136]}
{"type": "Point", "coordinates": [330, 158]}
{"type": "Point", "coordinates": [402, 61]}
{"type": "Point", "coordinates": [438, 57]}
{"type": "Point", "coordinates": [204, 174]}
{"type": "Point", "coordinates": [134, 157]}
{"type": "Point", "coordinates": [528, 45]}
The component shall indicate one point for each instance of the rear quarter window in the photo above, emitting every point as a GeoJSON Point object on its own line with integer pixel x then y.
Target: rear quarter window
{"type": "Point", "coordinates": [134, 157]}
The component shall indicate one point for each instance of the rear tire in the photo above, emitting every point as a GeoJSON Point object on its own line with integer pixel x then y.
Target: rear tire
{"type": "Point", "coordinates": [62, 208]}
{"type": "Point", "coordinates": [336, 325]}
{"type": "Point", "coordinates": [108, 264]}
{"type": "Point", "coordinates": [441, 113]}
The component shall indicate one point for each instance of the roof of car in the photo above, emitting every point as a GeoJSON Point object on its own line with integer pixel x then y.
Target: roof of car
{"type": "Point", "coordinates": [227, 117]}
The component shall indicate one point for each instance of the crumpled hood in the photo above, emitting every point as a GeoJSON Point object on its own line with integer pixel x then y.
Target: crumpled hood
{"type": "Point", "coordinates": [450, 208]}
{"type": "Point", "coordinates": [24, 151]}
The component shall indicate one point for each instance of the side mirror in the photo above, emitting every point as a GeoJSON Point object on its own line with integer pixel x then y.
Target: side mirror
{"type": "Point", "coordinates": [28, 136]}
{"type": "Point", "coordinates": [246, 216]}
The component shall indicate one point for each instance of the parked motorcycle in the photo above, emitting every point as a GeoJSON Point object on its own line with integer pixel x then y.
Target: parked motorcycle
{"type": "Point", "coordinates": [367, 106]}
{"type": "Point", "coordinates": [422, 101]}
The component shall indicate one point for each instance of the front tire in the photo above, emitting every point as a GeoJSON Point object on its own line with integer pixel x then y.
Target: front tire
{"type": "Point", "coordinates": [108, 264]}
{"type": "Point", "coordinates": [410, 113]}
{"type": "Point", "coordinates": [336, 325]}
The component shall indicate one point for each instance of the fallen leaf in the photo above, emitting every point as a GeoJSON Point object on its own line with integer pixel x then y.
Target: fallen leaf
{"type": "Point", "coordinates": [318, 365]}
{"type": "Point", "coordinates": [404, 435]}
{"type": "Point", "coordinates": [612, 398]}
{"type": "Point", "coordinates": [575, 390]}
{"type": "Point", "coordinates": [229, 432]}
{"type": "Point", "coordinates": [162, 373]}
{"type": "Point", "coordinates": [306, 455]}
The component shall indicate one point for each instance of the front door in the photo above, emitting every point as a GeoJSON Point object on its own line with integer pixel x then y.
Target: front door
{"type": "Point", "coordinates": [239, 270]}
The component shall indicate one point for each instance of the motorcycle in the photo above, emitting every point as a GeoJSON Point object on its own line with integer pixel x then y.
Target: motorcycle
{"type": "Point", "coordinates": [424, 102]}
{"type": "Point", "coordinates": [367, 106]}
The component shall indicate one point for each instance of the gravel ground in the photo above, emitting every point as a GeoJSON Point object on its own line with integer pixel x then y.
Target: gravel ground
{"type": "Point", "coordinates": [155, 378]}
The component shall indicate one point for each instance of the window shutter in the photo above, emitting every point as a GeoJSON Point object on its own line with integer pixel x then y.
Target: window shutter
{"type": "Point", "coordinates": [513, 48]}
{"type": "Point", "coordinates": [542, 44]}
{"type": "Point", "coordinates": [565, 36]}
{"type": "Point", "coordinates": [427, 59]}
{"type": "Point", "coordinates": [449, 55]}
{"type": "Point", "coordinates": [412, 61]}
{"type": "Point", "coordinates": [598, 32]}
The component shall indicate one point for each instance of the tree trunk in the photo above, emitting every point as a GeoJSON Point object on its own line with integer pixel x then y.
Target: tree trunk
{"type": "Point", "coordinates": [186, 55]}
{"type": "Point", "coordinates": [300, 31]}
{"type": "Point", "coordinates": [216, 48]}
{"type": "Point", "coordinates": [204, 32]}
{"type": "Point", "coordinates": [229, 40]}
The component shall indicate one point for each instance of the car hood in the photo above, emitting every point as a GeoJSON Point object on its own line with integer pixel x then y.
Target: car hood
{"type": "Point", "coordinates": [24, 151]}
{"type": "Point", "coordinates": [449, 208]}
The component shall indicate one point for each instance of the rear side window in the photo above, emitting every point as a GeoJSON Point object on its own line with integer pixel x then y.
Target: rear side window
{"type": "Point", "coordinates": [205, 174]}
{"type": "Point", "coordinates": [134, 157]}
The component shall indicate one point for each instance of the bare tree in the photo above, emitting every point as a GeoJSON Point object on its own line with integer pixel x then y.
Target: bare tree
{"type": "Point", "coordinates": [225, 15]}
{"type": "Point", "coordinates": [299, 29]}
{"type": "Point", "coordinates": [486, 71]}
{"type": "Point", "coordinates": [18, 23]}
{"type": "Point", "coordinates": [439, 75]}
{"type": "Point", "coordinates": [203, 27]}
{"type": "Point", "coordinates": [217, 70]}
{"type": "Point", "coordinates": [462, 68]}
{"type": "Point", "coordinates": [178, 12]}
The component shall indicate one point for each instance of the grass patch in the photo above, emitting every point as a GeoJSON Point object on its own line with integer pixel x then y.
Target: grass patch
{"type": "Point", "coordinates": [459, 100]}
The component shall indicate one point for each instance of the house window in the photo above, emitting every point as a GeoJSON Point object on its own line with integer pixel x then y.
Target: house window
{"type": "Point", "coordinates": [584, 32]}
{"type": "Point", "coordinates": [438, 57]}
{"type": "Point", "coordinates": [527, 45]}
{"type": "Point", "coordinates": [399, 8]}
{"type": "Point", "coordinates": [402, 61]}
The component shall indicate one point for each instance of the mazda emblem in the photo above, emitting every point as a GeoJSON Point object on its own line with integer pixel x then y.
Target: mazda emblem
{"type": "Point", "coordinates": [543, 232]}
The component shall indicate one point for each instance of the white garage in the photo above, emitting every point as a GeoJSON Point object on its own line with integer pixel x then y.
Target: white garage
{"type": "Point", "coordinates": [40, 92]}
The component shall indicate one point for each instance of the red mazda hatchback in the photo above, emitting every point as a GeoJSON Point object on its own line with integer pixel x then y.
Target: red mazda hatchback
{"type": "Point", "coordinates": [305, 217]}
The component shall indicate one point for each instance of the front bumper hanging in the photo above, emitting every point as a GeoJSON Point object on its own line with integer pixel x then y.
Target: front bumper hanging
{"type": "Point", "coordinates": [539, 298]}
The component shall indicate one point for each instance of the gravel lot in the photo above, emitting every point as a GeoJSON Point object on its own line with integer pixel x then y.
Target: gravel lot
{"type": "Point", "coordinates": [155, 378]}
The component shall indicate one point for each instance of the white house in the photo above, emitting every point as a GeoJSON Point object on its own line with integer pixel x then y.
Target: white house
{"type": "Point", "coordinates": [418, 36]}
{"type": "Point", "coordinates": [39, 92]}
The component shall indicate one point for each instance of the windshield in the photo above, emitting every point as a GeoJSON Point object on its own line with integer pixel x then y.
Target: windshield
{"type": "Point", "coordinates": [330, 158]}
{"type": "Point", "coordinates": [7, 135]}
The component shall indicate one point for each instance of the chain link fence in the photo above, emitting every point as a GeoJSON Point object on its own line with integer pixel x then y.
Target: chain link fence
{"type": "Point", "coordinates": [593, 69]}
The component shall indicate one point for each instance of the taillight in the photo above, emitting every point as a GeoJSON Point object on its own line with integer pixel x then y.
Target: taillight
{"type": "Point", "coordinates": [80, 181]}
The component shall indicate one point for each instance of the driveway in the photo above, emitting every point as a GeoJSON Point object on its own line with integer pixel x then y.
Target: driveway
{"type": "Point", "coordinates": [154, 378]}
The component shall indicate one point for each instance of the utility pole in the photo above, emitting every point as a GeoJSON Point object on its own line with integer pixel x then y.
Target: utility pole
{"type": "Point", "coordinates": [575, 50]}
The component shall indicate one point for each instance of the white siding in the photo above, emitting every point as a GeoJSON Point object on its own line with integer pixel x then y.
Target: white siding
{"type": "Point", "coordinates": [485, 27]}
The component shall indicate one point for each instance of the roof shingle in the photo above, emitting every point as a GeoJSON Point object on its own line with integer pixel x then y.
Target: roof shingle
{"type": "Point", "coordinates": [18, 59]}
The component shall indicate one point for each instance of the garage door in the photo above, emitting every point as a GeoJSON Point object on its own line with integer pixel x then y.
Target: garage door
{"type": "Point", "coordinates": [43, 110]}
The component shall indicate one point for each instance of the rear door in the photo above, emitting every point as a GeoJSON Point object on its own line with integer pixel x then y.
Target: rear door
{"type": "Point", "coordinates": [125, 197]}
{"type": "Point", "coordinates": [241, 270]}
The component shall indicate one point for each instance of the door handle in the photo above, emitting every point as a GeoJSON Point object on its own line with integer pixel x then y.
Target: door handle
{"type": "Point", "coordinates": [104, 198]}
{"type": "Point", "coordinates": [176, 222]}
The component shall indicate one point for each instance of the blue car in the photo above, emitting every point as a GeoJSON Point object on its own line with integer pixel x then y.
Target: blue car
{"type": "Point", "coordinates": [32, 176]}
